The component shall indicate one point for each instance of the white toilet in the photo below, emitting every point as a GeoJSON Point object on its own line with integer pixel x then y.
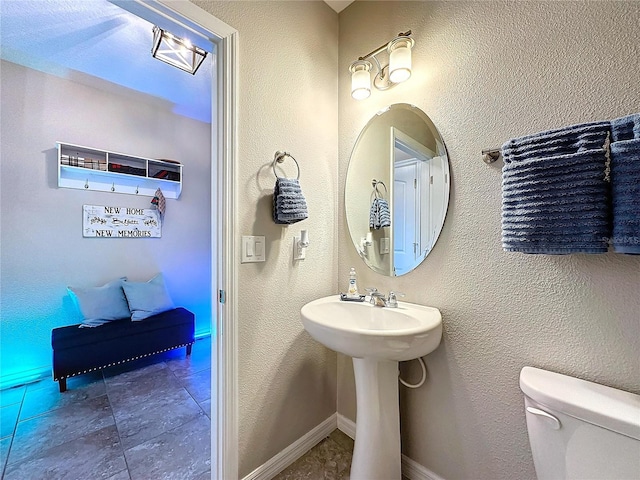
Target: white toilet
{"type": "Point", "coordinates": [580, 430]}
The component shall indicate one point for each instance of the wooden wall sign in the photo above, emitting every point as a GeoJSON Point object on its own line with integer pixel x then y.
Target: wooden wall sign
{"type": "Point", "coordinates": [120, 222]}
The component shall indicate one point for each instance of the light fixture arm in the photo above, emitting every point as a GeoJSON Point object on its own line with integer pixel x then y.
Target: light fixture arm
{"type": "Point", "coordinates": [382, 48]}
{"type": "Point", "coordinates": [381, 79]}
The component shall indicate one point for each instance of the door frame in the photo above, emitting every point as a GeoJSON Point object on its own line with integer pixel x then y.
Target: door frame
{"type": "Point", "coordinates": [224, 137]}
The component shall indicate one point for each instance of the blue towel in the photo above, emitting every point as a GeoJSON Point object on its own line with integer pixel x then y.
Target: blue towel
{"type": "Point", "coordinates": [373, 214]}
{"type": "Point", "coordinates": [289, 204]}
{"type": "Point", "coordinates": [562, 141]}
{"type": "Point", "coordinates": [625, 195]}
{"type": "Point", "coordinates": [379, 214]}
{"type": "Point", "coordinates": [384, 213]}
{"type": "Point", "coordinates": [554, 192]}
{"type": "Point", "coordinates": [625, 128]}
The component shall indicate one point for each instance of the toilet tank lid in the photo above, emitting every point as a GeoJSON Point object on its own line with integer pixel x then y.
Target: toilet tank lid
{"type": "Point", "coordinates": [591, 402]}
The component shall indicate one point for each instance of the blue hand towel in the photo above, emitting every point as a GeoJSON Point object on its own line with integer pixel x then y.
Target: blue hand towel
{"type": "Point", "coordinates": [379, 215]}
{"type": "Point", "coordinates": [554, 202]}
{"type": "Point", "coordinates": [289, 204]}
{"type": "Point", "coordinates": [384, 213]}
{"type": "Point", "coordinates": [625, 195]}
{"type": "Point", "coordinates": [625, 128]}
{"type": "Point", "coordinates": [561, 141]}
{"type": "Point", "coordinates": [374, 219]}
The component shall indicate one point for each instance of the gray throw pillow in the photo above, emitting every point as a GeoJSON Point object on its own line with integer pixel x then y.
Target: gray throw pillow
{"type": "Point", "coordinates": [148, 298]}
{"type": "Point", "coordinates": [99, 305]}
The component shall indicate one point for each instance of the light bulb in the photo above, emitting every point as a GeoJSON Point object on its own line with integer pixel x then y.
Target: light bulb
{"type": "Point", "coordinates": [360, 79]}
{"type": "Point", "coordinates": [400, 59]}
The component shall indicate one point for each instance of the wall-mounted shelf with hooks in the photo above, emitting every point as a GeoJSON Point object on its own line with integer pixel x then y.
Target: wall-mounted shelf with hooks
{"type": "Point", "coordinates": [89, 168]}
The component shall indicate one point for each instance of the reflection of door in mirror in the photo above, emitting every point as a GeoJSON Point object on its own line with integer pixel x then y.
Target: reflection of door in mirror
{"type": "Point", "coordinates": [411, 230]}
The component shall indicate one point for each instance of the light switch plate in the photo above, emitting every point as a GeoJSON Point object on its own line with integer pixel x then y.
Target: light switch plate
{"type": "Point", "coordinates": [253, 249]}
{"type": "Point", "coordinates": [384, 245]}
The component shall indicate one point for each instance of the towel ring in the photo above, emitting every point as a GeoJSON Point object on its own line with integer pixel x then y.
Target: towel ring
{"type": "Point", "coordinates": [375, 183]}
{"type": "Point", "coordinates": [279, 158]}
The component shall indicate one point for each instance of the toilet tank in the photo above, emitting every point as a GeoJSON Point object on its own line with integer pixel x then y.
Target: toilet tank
{"type": "Point", "coordinates": [580, 430]}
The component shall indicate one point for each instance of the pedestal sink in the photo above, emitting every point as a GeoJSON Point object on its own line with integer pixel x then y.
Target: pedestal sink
{"type": "Point", "coordinates": [377, 338]}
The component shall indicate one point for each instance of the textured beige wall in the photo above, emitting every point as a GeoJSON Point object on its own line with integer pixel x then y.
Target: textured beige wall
{"type": "Point", "coordinates": [485, 72]}
{"type": "Point", "coordinates": [288, 101]}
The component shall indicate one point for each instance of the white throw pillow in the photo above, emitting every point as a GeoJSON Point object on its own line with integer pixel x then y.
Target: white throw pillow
{"type": "Point", "coordinates": [100, 305]}
{"type": "Point", "coordinates": [147, 298]}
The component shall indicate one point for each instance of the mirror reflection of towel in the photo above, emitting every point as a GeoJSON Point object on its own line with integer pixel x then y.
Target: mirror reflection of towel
{"type": "Point", "coordinates": [379, 215]}
{"type": "Point", "coordinates": [159, 201]}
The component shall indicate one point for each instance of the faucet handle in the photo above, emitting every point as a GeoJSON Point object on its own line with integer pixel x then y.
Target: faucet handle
{"type": "Point", "coordinates": [371, 289]}
{"type": "Point", "coordinates": [392, 301]}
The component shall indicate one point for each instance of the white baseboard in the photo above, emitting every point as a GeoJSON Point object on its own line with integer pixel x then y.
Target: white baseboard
{"type": "Point", "coordinates": [26, 376]}
{"type": "Point", "coordinates": [414, 471]}
{"type": "Point", "coordinates": [410, 469]}
{"type": "Point", "coordinates": [293, 452]}
{"type": "Point", "coordinates": [346, 426]}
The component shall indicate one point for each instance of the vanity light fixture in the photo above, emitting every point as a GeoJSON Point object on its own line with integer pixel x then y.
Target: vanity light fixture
{"type": "Point", "coordinates": [396, 71]}
{"type": "Point", "coordinates": [176, 51]}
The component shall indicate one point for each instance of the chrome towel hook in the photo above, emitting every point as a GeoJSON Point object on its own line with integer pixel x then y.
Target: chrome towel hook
{"type": "Point", "coordinates": [491, 155]}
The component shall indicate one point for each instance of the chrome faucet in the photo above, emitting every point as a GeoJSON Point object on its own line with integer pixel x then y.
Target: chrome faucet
{"type": "Point", "coordinates": [378, 299]}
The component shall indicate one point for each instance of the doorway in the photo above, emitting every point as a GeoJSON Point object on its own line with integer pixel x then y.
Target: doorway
{"type": "Point", "coordinates": [221, 253]}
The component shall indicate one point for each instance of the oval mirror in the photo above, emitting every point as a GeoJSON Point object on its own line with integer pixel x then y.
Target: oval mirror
{"type": "Point", "coordinates": [397, 189]}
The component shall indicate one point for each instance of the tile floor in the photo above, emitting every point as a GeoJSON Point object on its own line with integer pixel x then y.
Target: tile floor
{"type": "Point", "coordinates": [329, 460]}
{"type": "Point", "coordinates": [149, 419]}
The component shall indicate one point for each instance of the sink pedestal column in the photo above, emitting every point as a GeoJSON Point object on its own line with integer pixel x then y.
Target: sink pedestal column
{"type": "Point", "coordinates": [376, 452]}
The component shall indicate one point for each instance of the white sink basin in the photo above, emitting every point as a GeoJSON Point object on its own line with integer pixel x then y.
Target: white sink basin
{"type": "Point", "coordinates": [362, 330]}
{"type": "Point", "coordinates": [377, 338]}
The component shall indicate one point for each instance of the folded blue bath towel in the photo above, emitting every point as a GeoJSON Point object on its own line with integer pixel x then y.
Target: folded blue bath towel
{"type": "Point", "coordinates": [625, 128]}
{"type": "Point", "coordinates": [625, 195]}
{"type": "Point", "coordinates": [289, 204]}
{"type": "Point", "coordinates": [556, 203]}
{"type": "Point", "coordinates": [561, 141]}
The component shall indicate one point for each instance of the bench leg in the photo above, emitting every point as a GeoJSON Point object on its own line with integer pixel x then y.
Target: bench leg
{"type": "Point", "coordinates": [62, 383]}
{"type": "Point", "coordinates": [189, 349]}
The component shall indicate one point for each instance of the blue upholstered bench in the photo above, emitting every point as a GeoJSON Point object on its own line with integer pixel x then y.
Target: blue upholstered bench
{"type": "Point", "coordinates": [83, 350]}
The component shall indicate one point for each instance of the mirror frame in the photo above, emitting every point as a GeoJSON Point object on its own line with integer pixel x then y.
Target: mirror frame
{"type": "Point", "coordinates": [371, 243]}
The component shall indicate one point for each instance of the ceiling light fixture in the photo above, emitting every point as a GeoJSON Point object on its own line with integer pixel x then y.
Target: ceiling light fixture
{"type": "Point", "coordinates": [176, 51]}
{"type": "Point", "coordinates": [396, 71]}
